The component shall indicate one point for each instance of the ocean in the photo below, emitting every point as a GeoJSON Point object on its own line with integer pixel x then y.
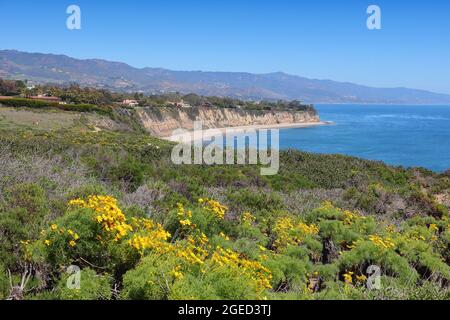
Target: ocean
{"type": "Point", "coordinates": [409, 136]}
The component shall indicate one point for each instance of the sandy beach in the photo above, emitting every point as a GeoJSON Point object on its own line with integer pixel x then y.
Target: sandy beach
{"type": "Point", "coordinates": [208, 133]}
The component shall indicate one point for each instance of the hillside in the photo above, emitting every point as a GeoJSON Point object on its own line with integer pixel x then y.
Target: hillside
{"type": "Point", "coordinates": [60, 69]}
{"type": "Point", "coordinates": [111, 202]}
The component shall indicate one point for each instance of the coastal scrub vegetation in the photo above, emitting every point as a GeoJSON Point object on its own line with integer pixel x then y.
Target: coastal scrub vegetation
{"type": "Point", "coordinates": [86, 99]}
{"type": "Point", "coordinates": [112, 205]}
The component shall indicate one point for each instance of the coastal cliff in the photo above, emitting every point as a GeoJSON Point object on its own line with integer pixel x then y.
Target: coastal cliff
{"type": "Point", "coordinates": [163, 121]}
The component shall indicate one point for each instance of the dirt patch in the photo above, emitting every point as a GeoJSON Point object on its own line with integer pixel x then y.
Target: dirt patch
{"type": "Point", "coordinates": [443, 198]}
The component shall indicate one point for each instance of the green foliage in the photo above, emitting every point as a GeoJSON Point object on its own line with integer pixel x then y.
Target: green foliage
{"type": "Point", "coordinates": [255, 201]}
{"type": "Point", "coordinates": [4, 283]}
{"type": "Point", "coordinates": [38, 104]}
{"type": "Point", "coordinates": [129, 173]}
{"type": "Point", "coordinates": [58, 251]}
{"type": "Point", "coordinates": [150, 280]}
{"type": "Point", "coordinates": [289, 271]}
{"type": "Point", "coordinates": [25, 209]}
{"type": "Point", "coordinates": [11, 87]}
{"type": "Point", "coordinates": [222, 283]}
{"type": "Point", "coordinates": [92, 286]}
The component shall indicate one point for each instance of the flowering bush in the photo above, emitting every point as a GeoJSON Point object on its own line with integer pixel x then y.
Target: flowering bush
{"type": "Point", "coordinates": [197, 253]}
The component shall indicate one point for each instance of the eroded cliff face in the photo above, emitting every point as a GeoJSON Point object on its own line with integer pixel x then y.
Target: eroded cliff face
{"type": "Point", "coordinates": [163, 121]}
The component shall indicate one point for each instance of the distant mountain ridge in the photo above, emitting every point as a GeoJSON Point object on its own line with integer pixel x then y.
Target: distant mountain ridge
{"type": "Point", "coordinates": [117, 76]}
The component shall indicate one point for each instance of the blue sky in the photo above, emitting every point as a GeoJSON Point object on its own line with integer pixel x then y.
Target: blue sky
{"type": "Point", "coordinates": [317, 39]}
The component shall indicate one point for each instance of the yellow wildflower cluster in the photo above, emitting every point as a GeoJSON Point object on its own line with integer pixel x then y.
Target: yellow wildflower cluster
{"type": "Point", "coordinates": [308, 229]}
{"type": "Point", "coordinates": [214, 207]}
{"type": "Point", "coordinates": [108, 214]}
{"type": "Point", "coordinates": [184, 217]}
{"type": "Point", "coordinates": [361, 279]}
{"type": "Point", "coordinates": [73, 236]}
{"type": "Point", "coordinates": [153, 236]}
{"type": "Point", "coordinates": [248, 218]}
{"type": "Point", "coordinates": [385, 243]}
{"type": "Point", "coordinates": [414, 235]}
{"type": "Point", "coordinates": [327, 205]}
{"type": "Point", "coordinates": [259, 273]}
{"type": "Point", "coordinates": [191, 250]}
{"type": "Point", "coordinates": [282, 230]}
{"type": "Point", "coordinates": [350, 217]}
{"type": "Point", "coordinates": [349, 276]}
{"type": "Point", "coordinates": [176, 272]}
{"type": "Point", "coordinates": [390, 228]}
{"type": "Point", "coordinates": [290, 233]}
{"type": "Point", "coordinates": [191, 253]}
{"type": "Point", "coordinates": [223, 235]}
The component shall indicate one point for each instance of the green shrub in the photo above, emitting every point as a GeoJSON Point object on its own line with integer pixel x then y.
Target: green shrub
{"type": "Point", "coordinates": [4, 283]}
{"type": "Point", "coordinates": [255, 201]}
{"type": "Point", "coordinates": [129, 173]}
{"type": "Point", "coordinates": [21, 221]}
{"type": "Point", "coordinates": [38, 104]}
{"type": "Point", "coordinates": [222, 283]}
{"type": "Point", "coordinates": [150, 280]}
{"type": "Point", "coordinates": [92, 286]}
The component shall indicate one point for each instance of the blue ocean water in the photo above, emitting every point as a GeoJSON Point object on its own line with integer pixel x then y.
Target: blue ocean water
{"type": "Point", "coordinates": [407, 136]}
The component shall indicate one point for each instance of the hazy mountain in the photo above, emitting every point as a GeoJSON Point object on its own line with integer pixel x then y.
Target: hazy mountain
{"type": "Point", "coordinates": [122, 77]}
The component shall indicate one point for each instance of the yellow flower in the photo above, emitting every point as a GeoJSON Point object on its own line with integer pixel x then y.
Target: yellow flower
{"type": "Point", "coordinates": [186, 222]}
{"type": "Point", "coordinates": [386, 243]}
{"type": "Point", "coordinates": [290, 232]}
{"type": "Point", "coordinates": [108, 215]}
{"type": "Point", "coordinates": [362, 278]}
{"type": "Point", "coordinates": [54, 227]}
{"type": "Point", "coordinates": [176, 273]}
{"type": "Point", "coordinates": [223, 235]}
{"type": "Point", "coordinates": [47, 242]}
{"type": "Point", "coordinates": [214, 207]}
{"type": "Point", "coordinates": [72, 243]}
{"type": "Point", "coordinates": [348, 277]}
{"type": "Point", "coordinates": [247, 217]}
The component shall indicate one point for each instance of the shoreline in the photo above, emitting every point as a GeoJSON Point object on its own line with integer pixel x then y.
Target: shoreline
{"type": "Point", "coordinates": [209, 133]}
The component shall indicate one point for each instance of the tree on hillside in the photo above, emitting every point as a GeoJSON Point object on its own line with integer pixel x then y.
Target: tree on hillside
{"type": "Point", "coordinates": [11, 87]}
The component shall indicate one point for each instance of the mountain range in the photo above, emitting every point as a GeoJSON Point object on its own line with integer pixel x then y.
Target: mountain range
{"type": "Point", "coordinates": [117, 76]}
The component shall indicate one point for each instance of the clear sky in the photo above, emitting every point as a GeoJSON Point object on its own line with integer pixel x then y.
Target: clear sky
{"type": "Point", "coordinates": [316, 38]}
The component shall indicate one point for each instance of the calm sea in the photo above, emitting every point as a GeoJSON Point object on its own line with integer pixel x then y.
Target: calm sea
{"type": "Point", "coordinates": [398, 135]}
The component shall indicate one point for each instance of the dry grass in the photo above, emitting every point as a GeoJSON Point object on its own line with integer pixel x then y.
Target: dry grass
{"type": "Point", "coordinates": [59, 175]}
